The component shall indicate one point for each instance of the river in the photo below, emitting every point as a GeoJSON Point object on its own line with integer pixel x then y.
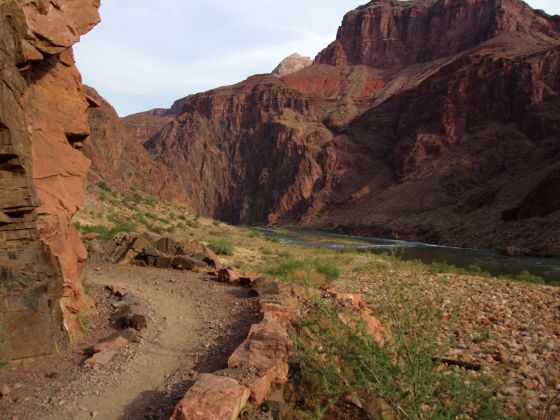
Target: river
{"type": "Point", "coordinates": [489, 261]}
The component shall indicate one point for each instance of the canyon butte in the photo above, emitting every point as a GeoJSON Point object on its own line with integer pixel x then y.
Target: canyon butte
{"type": "Point", "coordinates": [430, 120]}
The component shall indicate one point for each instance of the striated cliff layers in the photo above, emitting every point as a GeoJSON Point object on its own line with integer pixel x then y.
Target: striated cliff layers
{"type": "Point", "coordinates": [43, 121]}
{"type": "Point", "coordinates": [434, 120]}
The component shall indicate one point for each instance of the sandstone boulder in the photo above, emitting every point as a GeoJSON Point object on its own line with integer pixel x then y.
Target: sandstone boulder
{"type": "Point", "coordinates": [110, 344]}
{"type": "Point", "coordinates": [103, 358]}
{"type": "Point", "coordinates": [227, 275]}
{"type": "Point", "coordinates": [212, 397]}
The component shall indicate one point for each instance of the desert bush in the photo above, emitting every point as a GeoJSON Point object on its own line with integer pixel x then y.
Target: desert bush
{"type": "Point", "coordinates": [528, 277]}
{"type": "Point", "coordinates": [307, 278]}
{"type": "Point", "coordinates": [442, 267]}
{"type": "Point", "coordinates": [83, 321]}
{"type": "Point", "coordinates": [254, 233]}
{"type": "Point", "coordinates": [283, 268]}
{"type": "Point", "coordinates": [104, 186]}
{"type": "Point", "coordinates": [221, 247]}
{"type": "Point", "coordinates": [402, 377]}
{"type": "Point", "coordinates": [150, 202]}
{"type": "Point", "coordinates": [328, 269]}
{"type": "Point", "coordinates": [104, 232]}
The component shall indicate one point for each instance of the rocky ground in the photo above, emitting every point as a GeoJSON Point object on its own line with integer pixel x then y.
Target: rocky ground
{"type": "Point", "coordinates": [194, 324]}
{"type": "Point", "coordinates": [510, 329]}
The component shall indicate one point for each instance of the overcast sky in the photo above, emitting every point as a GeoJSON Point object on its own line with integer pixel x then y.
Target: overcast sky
{"type": "Point", "coordinates": [146, 53]}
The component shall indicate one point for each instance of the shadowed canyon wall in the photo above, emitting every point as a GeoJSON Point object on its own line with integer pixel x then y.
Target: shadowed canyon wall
{"type": "Point", "coordinates": [43, 122]}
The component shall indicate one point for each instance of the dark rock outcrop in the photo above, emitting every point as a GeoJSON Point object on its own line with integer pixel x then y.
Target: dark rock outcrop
{"type": "Point", "coordinates": [42, 174]}
{"type": "Point", "coordinates": [426, 119]}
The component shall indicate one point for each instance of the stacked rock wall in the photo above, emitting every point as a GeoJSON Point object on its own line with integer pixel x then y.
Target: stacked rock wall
{"type": "Point", "coordinates": [43, 120]}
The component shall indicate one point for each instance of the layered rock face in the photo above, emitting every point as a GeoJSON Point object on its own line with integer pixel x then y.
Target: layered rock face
{"type": "Point", "coordinates": [43, 121]}
{"type": "Point", "coordinates": [118, 156]}
{"type": "Point", "coordinates": [292, 64]}
{"type": "Point", "coordinates": [392, 34]}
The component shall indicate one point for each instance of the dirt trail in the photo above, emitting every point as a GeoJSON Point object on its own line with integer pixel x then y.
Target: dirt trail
{"type": "Point", "coordinates": [194, 324]}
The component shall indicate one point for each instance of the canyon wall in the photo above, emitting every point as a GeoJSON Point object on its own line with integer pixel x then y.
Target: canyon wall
{"type": "Point", "coordinates": [430, 120]}
{"type": "Point", "coordinates": [43, 122]}
{"type": "Point", "coordinates": [117, 155]}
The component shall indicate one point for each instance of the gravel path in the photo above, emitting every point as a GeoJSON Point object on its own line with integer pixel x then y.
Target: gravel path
{"type": "Point", "coordinates": [194, 324]}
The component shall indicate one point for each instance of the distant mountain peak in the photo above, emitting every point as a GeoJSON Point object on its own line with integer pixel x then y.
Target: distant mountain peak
{"type": "Point", "coordinates": [292, 64]}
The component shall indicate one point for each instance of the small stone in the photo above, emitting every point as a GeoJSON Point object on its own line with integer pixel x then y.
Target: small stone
{"type": "Point", "coordinates": [5, 391]}
{"type": "Point", "coordinates": [112, 344]}
{"type": "Point", "coordinates": [138, 322]}
{"type": "Point", "coordinates": [118, 290]}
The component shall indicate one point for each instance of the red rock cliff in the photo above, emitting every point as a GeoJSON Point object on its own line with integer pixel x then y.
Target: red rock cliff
{"type": "Point", "coordinates": [117, 154]}
{"type": "Point", "coordinates": [393, 34]}
{"type": "Point", "coordinates": [43, 121]}
{"type": "Point", "coordinates": [433, 120]}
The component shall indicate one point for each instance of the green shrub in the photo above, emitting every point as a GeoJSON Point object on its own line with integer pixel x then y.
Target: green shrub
{"type": "Point", "coordinates": [104, 186]}
{"type": "Point", "coordinates": [441, 267]}
{"type": "Point", "coordinates": [133, 188]}
{"type": "Point", "coordinates": [83, 321]}
{"type": "Point", "coordinates": [474, 269]}
{"type": "Point", "coordinates": [328, 269]}
{"type": "Point", "coordinates": [254, 233]}
{"type": "Point", "coordinates": [528, 277]}
{"type": "Point", "coordinates": [221, 247]}
{"type": "Point", "coordinates": [284, 268]}
{"type": "Point", "coordinates": [150, 202]}
{"type": "Point", "coordinates": [105, 233]}
{"type": "Point", "coordinates": [401, 377]}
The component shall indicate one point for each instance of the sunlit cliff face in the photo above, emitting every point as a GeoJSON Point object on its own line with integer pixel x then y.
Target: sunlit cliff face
{"type": "Point", "coordinates": [44, 122]}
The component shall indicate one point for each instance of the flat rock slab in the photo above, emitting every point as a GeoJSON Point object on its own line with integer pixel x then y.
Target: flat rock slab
{"type": "Point", "coordinates": [185, 262]}
{"type": "Point", "coordinates": [212, 397]}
